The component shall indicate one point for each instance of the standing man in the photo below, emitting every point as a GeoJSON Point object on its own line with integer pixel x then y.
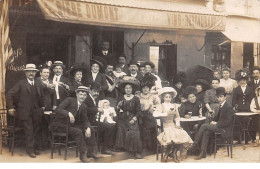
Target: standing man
{"type": "Point", "coordinates": [29, 108]}
{"type": "Point", "coordinates": [104, 55]}
{"type": "Point", "coordinates": [107, 131]}
{"type": "Point", "coordinates": [96, 76]}
{"type": "Point", "coordinates": [75, 109]}
{"type": "Point", "coordinates": [133, 70]}
{"type": "Point", "coordinates": [255, 82]}
{"type": "Point", "coordinates": [122, 63]}
{"type": "Point", "coordinates": [62, 84]}
{"type": "Point", "coordinates": [221, 123]}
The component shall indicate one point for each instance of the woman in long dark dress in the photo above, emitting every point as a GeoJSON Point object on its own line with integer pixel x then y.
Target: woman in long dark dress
{"type": "Point", "coordinates": [128, 135]}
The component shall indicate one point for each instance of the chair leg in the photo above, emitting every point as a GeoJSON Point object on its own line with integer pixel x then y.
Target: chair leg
{"type": "Point", "coordinates": [162, 150]}
{"type": "Point", "coordinates": [12, 146]}
{"type": "Point", "coordinates": [52, 146]}
{"type": "Point", "coordinates": [77, 151]}
{"type": "Point", "coordinates": [231, 148]}
{"type": "Point", "coordinates": [215, 146]}
{"type": "Point", "coordinates": [157, 151]}
{"type": "Point", "coordinates": [1, 141]}
{"type": "Point", "coordinates": [66, 149]}
{"type": "Point", "coordinates": [228, 150]}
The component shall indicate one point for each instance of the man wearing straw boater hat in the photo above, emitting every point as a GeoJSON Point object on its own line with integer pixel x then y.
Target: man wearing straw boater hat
{"type": "Point", "coordinates": [62, 84]}
{"type": "Point", "coordinates": [29, 108]}
{"type": "Point", "coordinates": [75, 109]}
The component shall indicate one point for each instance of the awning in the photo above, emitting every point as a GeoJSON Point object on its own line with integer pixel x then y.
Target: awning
{"type": "Point", "coordinates": [140, 14]}
{"type": "Point", "coordinates": [242, 30]}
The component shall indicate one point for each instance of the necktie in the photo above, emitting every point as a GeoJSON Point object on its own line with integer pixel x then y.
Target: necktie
{"type": "Point", "coordinates": [256, 82]}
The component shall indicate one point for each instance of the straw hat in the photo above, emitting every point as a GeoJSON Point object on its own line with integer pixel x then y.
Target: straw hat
{"type": "Point", "coordinates": [167, 90]}
{"type": "Point", "coordinates": [57, 63]}
{"type": "Point", "coordinates": [30, 66]}
{"type": "Point", "coordinates": [82, 88]}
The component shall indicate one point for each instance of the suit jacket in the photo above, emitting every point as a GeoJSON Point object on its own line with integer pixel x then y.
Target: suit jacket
{"type": "Point", "coordinates": [22, 92]}
{"type": "Point", "coordinates": [63, 92]}
{"type": "Point", "coordinates": [92, 109]}
{"type": "Point", "coordinates": [242, 100]}
{"type": "Point", "coordinates": [70, 104]}
{"type": "Point", "coordinates": [224, 119]}
{"type": "Point", "coordinates": [50, 98]}
{"type": "Point", "coordinates": [125, 69]}
{"type": "Point", "coordinates": [101, 80]}
{"type": "Point", "coordinates": [139, 76]}
{"type": "Point", "coordinates": [105, 59]}
{"type": "Point", "coordinates": [253, 85]}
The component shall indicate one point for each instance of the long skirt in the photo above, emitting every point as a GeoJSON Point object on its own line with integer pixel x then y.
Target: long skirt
{"type": "Point", "coordinates": [128, 136]}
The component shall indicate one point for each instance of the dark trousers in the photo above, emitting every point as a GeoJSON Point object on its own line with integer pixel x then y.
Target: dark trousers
{"type": "Point", "coordinates": [107, 134]}
{"type": "Point", "coordinates": [203, 135]}
{"type": "Point", "coordinates": [79, 137]}
{"type": "Point", "coordinates": [32, 129]}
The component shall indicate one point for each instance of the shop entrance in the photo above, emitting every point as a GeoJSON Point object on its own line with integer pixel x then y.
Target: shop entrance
{"type": "Point", "coordinates": [164, 56]}
{"type": "Point", "coordinates": [42, 48]}
{"type": "Point", "coordinates": [248, 55]}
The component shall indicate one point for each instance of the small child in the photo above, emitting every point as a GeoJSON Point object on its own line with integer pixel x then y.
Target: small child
{"type": "Point", "coordinates": [119, 72]}
{"type": "Point", "coordinates": [109, 112]}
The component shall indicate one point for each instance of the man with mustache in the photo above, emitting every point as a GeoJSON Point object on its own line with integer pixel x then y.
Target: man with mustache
{"type": "Point", "coordinates": [62, 84]}
{"type": "Point", "coordinates": [133, 70]}
{"type": "Point", "coordinates": [107, 131]}
{"type": "Point", "coordinates": [29, 108]}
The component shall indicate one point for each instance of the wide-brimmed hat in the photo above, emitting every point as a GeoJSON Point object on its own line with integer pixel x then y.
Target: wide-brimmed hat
{"type": "Point", "coordinates": [82, 88]}
{"type": "Point", "coordinates": [204, 83]}
{"type": "Point", "coordinates": [101, 65]}
{"type": "Point", "coordinates": [31, 67]}
{"type": "Point", "coordinates": [167, 90]}
{"type": "Point", "coordinates": [242, 74]}
{"type": "Point", "coordinates": [77, 67]}
{"type": "Point", "coordinates": [133, 62]}
{"type": "Point", "coordinates": [220, 91]}
{"type": "Point", "coordinates": [57, 63]}
{"type": "Point", "coordinates": [128, 80]}
{"type": "Point", "coordinates": [190, 90]}
{"type": "Point", "coordinates": [148, 80]}
{"type": "Point", "coordinates": [149, 63]}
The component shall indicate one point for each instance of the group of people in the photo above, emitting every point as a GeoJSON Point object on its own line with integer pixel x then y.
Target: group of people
{"type": "Point", "coordinates": [123, 100]}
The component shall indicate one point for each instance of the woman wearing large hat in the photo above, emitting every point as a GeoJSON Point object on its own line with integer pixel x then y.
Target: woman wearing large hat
{"type": "Point", "coordinates": [149, 102]}
{"type": "Point", "coordinates": [77, 72]}
{"type": "Point", "coordinates": [128, 135]}
{"type": "Point", "coordinates": [201, 85]}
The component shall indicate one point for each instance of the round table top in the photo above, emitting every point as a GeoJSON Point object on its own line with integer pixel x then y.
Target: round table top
{"type": "Point", "coordinates": [245, 113]}
{"type": "Point", "coordinates": [193, 118]}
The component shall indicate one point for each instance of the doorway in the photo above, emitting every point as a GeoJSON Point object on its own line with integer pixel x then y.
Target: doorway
{"type": "Point", "coordinates": [248, 55]}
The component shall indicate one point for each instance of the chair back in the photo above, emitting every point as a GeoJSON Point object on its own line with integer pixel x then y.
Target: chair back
{"type": "Point", "coordinates": [159, 126]}
{"type": "Point", "coordinates": [6, 120]}
{"type": "Point", "coordinates": [57, 123]}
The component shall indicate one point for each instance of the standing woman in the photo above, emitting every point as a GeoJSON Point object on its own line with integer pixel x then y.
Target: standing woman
{"type": "Point", "coordinates": [76, 74]}
{"type": "Point", "coordinates": [149, 103]}
{"type": "Point", "coordinates": [228, 83]}
{"type": "Point", "coordinates": [211, 100]}
{"type": "Point", "coordinates": [129, 109]}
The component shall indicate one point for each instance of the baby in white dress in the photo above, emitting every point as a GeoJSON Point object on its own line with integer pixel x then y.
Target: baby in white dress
{"type": "Point", "coordinates": [109, 112]}
{"type": "Point", "coordinates": [119, 72]}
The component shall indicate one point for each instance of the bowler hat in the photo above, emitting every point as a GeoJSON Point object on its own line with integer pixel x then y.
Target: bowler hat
{"type": "Point", "coordinates": [30, 66]}
{"type": "Point", "coordinates": [220, 91]}
{"type": "Point", "coordinates": [256, 68]}
{"type": "Point", "coordinates": [133, 62]}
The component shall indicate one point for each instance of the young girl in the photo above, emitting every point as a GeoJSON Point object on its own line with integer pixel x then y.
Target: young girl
{"type": "Point", "coordinates": [109, 112]}
{"type": "Point", "coordinates": [171, 125]}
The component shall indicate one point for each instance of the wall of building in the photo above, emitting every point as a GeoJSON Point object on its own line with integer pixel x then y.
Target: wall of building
{"type": "Point", "coordinates": [188, 43]}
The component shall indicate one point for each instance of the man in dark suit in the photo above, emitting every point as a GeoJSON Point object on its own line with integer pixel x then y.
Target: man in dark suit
{"type": "Point", "coordinates": [221, 123]}
{"type": "Point", "coordinates": [255, 82]}
{"type": "Point", "coordinates": [122, 63]}
{"type": "Point", "coordinates": [29, 108]}
{"type": "Point", "coordinates": [62, 84]}
{"type": "Point", "coordinates": [133, 70]}
{"type": "Point", "coordinates": [104, 55]}
{"type": "Point", "coordinates": [106, 130]}
{"type": "Point", "coordinates": [75, 109]}
{"type": "Point", "coordinates": [95, 76]}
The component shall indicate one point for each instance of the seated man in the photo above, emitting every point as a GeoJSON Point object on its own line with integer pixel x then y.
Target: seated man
{"type": "Point", "coordinates": [76, 110]}
{"type": "Point", "coordinates": [221, 123]}
{"type": "Point", "coordinates": [106, 130]}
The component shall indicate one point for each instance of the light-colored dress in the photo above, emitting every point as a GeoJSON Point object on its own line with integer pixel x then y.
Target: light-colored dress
{"type": "Point", "coordinates": [171, 133]}
{"type": "Point", "coordinates": [229, 85]}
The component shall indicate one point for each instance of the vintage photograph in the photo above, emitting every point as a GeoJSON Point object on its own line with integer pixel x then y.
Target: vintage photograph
{"type": "Point", "coordinates": [130, 81]}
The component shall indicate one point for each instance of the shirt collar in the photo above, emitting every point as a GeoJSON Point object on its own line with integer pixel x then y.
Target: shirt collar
{"type": "Point", "coordinates": [92, 98]}
{"type": "Point", "coordinates": [94, 73]}
{"type": "Point", "coordinates": [31, 82]}
{"type": "Point", "coordinates": [134, 75]}
{"type": "Point", "coordinates": [222, 104]}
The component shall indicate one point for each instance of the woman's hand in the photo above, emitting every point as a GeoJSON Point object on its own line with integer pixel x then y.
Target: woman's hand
{"type": "Point", "coordinates": [187, 116]}
{"type": "Point", "coordinates": [120, 104]}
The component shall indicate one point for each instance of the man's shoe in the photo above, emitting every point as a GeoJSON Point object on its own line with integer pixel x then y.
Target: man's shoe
{"type": "Point", "coordinates": [107, 151]}
{"type": "Point", "coordinates": [202, 155]}
{"type": "Point", "coordinates": [83, 158]}
{"type": "Point", "coordinates": [138, 156]}
{"type": "Point", "coordinates": [93, 155]}
{"type": "Point", "coordinates": [36, 152]}
{"type": "Point", "coordinates": [32, 155]}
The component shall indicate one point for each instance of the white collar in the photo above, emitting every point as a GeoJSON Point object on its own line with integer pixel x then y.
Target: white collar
{"type": "Point", "coordinates": [31, 82]}
{"type": "Point", "coordinates": [94, 73]}
{"type": "Point", "coordinates": [134, 75]}
{"type": "Point", "coordinates": [92, 99]}
{"type": "Point", "coordinates": [222, 104]}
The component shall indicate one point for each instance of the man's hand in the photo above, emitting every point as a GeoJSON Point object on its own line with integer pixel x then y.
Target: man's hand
{"type": "Point", "coordinates": [213, 122]}
{"type": "Point", "coordinates": [187, 116]}
{"type": "Point", "coordinates": [72, 119]}
{"type": "Point", "coordinates": [88, 132]}
{"type": "Point", "coordinates": [11, 112]}
{"type": "Point", "coordinates": [54, 107]}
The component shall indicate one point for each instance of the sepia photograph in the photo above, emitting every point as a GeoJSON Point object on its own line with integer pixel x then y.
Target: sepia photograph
{"type": "Point", "coordinates": [135, 82]}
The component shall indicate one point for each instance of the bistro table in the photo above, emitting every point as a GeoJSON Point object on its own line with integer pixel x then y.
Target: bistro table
{"type": "Point", "coordinates": [192, 119]}
{"type": "Point", "coordinates": [245, 126]}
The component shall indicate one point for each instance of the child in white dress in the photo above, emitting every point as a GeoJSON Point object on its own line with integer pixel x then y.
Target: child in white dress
{"type": "Point", "coordinates": [109, 112]}
{"type": "Point", "coordinates": [119, 72]}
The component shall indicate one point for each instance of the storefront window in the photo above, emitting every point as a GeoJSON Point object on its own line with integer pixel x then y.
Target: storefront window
{"type": "Point", "coordinates": [220, 57]}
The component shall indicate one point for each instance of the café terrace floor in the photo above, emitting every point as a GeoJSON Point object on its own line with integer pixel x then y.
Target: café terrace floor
{"type": "Point", "coordinates": [249, 155]}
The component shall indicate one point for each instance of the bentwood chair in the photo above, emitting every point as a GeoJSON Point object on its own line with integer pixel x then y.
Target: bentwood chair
{"type": "Point", "coordinates": [159, 129]}
{"type": "Point", "coordinates": [96, 131]}
{"type": "Point", "coordinates": [9, 130]}
{"type": "Point", "coordinates": [60, 138]}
